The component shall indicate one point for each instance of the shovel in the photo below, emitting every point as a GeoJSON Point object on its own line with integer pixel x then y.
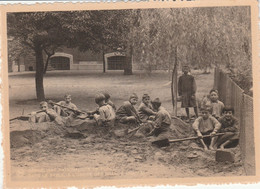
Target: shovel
{"type": "Point", "coordinates": [166, 142]}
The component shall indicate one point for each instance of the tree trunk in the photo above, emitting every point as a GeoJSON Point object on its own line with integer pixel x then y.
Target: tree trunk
{"type": "Point", "coordinates": [174, 84]}
{"type": "Point", "coordinates": [47, 63]}
{"type": "Point", "coordinates": [104, 63]}
{"type": "Point", "coordinates": [128, 65]}
{"type": "Point", "coordinates": [18, 64]}
{"type": "Point", "coordinates": [39, 73]}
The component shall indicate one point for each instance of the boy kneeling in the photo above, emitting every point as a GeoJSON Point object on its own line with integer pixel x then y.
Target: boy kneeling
{"type": "Point", "coordinates": [229, 126]}
{"type": "Point", "coordinates": [205, 125]}
{"type": "Point", "coordinates": [127, 113]}
{"type": "Point", "coordinates": [106, 114]}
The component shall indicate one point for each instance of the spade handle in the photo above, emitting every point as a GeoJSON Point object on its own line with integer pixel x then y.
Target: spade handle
{"type": "Point", "coordinates": [192, 138]}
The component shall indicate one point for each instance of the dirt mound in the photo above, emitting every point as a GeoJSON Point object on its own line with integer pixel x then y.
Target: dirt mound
{"type": "Point", "coordinates": [180, 129]}
{"type": "Point", "coordinates": [23, 133]}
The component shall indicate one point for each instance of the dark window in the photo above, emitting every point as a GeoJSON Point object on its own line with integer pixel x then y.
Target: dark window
{"type": "Point", "coordinates": [60, 63]}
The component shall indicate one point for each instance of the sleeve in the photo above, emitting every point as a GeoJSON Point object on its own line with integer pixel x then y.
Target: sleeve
{"type": "Point", "coordinates": [194, 86]}
{"type": "Point", "coordinates": [52, 113]}
{"type": "Point", "coordinates": [216, 124]}
{"type": "Point", "coordinates": [127, 108]}
{"type": "Point", "coordinates": [234, 127]}
{"type": "Point", "coordinates": [74, 107]}
{"type": "Point", "coordinates": [196, 124]}
{"type": "Point", "coordinates": [146, 110]}
{"type": "Point", "coordinates": [180, 86]}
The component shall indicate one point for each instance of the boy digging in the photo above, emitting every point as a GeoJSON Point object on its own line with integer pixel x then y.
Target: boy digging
{"type": "Point", "coordinates": [187, 90]}
{"type": "Point", "coordinates": [205, 125]}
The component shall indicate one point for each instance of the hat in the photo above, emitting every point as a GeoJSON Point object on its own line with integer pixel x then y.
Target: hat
{"type": "Point", "coordinates": [134, 95]}
{"type": "Point", "coordinates": [156, 101]}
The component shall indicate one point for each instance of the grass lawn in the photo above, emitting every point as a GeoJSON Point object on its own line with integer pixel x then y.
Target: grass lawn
{"type": "Point", "coordinates": [83, 85]}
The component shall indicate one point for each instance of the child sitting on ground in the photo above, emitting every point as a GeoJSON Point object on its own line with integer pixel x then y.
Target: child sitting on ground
{"type": "Point", "coordinates": [187, 90]}
{"type": "Point", "coordinates": [67, 103]}
{"type": "Point", "coordinates": [162, 119]}
{"type": "Point", "coordinates": [127, 112]}
{"type": "Point", "coordinates": [46, 115]}
{"type": "Point", "coordinates": [229, 126]}
{"type": "Point", "coordinates": [205, 125]}
{"type": "Point", "coordinates": [106, 114]}
{"type": "Point", "coordinates": [145, 110]}
{"type": "Point", "coordinates": [108, 101]}
{"type": "Point", "coordinates": [213, 102]}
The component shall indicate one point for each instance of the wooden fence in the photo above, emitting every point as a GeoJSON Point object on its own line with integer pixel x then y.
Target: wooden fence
{"type": "Point", "coordinates": [232, 95]}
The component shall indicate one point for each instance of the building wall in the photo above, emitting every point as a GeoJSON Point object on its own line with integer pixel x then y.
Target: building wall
{"type": "Point", "coordinates": [82, 56]}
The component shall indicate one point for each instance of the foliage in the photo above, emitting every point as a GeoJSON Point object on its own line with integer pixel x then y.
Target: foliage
{"type": "Point", "coordinates": [200, 37]}
{"type": "Point", "coordinates": [158, 38]}
{"type": "Point", "coordinates": [204, 36]}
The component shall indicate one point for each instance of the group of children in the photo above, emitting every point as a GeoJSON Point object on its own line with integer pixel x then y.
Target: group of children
{"type": "Point", "coordinates": [215, 117]}
{"type": "Point", "coordinates": [106, 113]}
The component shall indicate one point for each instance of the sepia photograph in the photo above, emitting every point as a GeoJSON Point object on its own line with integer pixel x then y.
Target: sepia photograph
{"type": "Point", "coordinates": [130, 93]}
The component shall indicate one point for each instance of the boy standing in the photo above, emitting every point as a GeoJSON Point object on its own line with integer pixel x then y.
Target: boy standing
{"type": "Point", "coordinates": [145, 110]}
{"type": "Point", "coordinates": [106, 114]}
{"type": "Point", "coordinates": [127, 112]}
{"type": "Point", "coordinates": [187, 90]}
{"type": "Point", "coordinates": [67, 103]}
{"type": "Point", "coordinates": [229, 126]}
{"type": "Point", "coordinates": [205, 125]}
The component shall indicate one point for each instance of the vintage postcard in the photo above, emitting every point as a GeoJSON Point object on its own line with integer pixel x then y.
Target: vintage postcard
{"type": "Point", "coordinates": [130, 94]}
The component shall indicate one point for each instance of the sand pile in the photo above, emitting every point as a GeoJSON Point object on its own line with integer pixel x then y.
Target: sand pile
{"type": "Point", "coordinates": [41, 142]}
{"type": "Point", "coordinates": [24, 133]}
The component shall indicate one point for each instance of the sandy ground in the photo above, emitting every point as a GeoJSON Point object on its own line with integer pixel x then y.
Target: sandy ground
{"type": "Point", "coordinates": [44, 152]}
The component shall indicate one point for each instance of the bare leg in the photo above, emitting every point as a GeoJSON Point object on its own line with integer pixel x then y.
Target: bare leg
{"type": "Point", "coordinates": [203, 144]}
{"type": "Point", "coordinates": [196, 111]}
{"type": "Point", "coordinates": [222, 146]}
{"type": "Point", "coordinates": [32, 119]}
{"type": "Point", "coordinates": [213, 143]}
{"type": "Point", "coordinates": [57, 109]}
